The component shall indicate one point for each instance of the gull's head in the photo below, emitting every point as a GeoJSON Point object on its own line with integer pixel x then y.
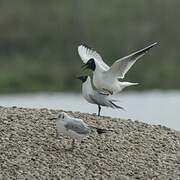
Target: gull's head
{"type": "Point", "coordinates": [90, 65]}
{"type": "Point", "coordinates": [62, 116]}
{"type": "Point", "coordinates": [82, 78]}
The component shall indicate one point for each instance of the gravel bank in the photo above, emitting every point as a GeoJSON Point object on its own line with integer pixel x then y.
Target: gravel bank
{"type": "Point", "coordinates": [30, 149]}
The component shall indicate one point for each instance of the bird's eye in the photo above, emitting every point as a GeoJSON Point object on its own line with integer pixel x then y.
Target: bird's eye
{"type": "Point", "coordinates": [63, 116]}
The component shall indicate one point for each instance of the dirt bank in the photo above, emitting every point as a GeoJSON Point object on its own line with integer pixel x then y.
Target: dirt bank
{"type": "Point", "coordinates": [31, 149]}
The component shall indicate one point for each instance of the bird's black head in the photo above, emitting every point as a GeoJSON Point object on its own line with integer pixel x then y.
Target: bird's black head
{"type": "Point", "coordinates": [90, 64]}
{"type": "Point", "coordinates": [82, 78]}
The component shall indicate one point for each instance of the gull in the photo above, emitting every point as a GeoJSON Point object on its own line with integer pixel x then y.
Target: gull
{"type": "Point", "coordinates": [105, 77]}
{"type": "Point", "coordinates": [75, 128]}
{"type": "Point", "coordinates": [95, 96]}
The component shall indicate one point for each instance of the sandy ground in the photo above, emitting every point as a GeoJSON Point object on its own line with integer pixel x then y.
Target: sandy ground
{"type": "Point", "coordinates": [31, 149]}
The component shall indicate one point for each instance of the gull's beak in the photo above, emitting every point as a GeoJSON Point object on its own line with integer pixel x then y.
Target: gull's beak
{"type": "Point", "coordinates": [84, 66]}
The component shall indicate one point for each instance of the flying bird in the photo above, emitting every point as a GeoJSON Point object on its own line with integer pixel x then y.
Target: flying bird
{"type": "Point", "coordinates": [96, 97]}
{"type": "Point", "coordinates": [75, 128]}
{"type": "Point", "coordinates": [105, 77]}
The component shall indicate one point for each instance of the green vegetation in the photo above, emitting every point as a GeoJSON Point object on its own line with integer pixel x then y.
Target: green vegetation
{"type": "Point", "coordinates": [38, 41]}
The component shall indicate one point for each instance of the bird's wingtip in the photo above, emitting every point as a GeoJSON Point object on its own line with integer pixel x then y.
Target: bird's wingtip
{"type": "Point", "coordinates": [155, 43]}
{"type": "Point", "coordinates": [80, 46]}
{"type": "Point", "coordinates": [85, 46]}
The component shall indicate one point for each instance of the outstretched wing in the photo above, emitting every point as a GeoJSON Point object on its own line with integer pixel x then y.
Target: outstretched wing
{"type": "Point", "coordinates": [122, 66]}
{"type": "Point", "coordinates": [87, 53]}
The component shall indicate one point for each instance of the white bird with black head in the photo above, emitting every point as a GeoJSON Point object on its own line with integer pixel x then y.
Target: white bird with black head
{"type": "Point", "coordinates": [105, 77]}
{"type": "Point", "coordinates": [74, 128]}
{"type": "Point", "coordinates": [96, 97]}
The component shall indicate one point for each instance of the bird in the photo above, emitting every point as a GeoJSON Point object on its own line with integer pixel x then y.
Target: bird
{"type": "Point", "coordinates": [93, 96]}
{"type": "Point", "coordinates": [105, 77]}
{"type": "Point", "coordinates": [75, 128]}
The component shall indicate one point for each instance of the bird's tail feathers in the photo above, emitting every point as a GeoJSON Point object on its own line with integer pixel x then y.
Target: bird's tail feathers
{"type": "Point", "coordinates": [134, 84]}
{"type": "Point", "coordinates": [115, 100]}
{"type": "Point", "coordinates": [113, 105]}
{"type": "Point", "coordinates": [126, 84]}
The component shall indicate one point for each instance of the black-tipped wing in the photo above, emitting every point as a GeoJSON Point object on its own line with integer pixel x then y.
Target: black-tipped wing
{"type": "Point", "coordinates": [87, 53]}
{"type": "Point", "coordinates": [122, 66]}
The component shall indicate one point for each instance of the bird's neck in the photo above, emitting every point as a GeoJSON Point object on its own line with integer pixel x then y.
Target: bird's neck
{"type": "Point", "coordinates": [87, 87]}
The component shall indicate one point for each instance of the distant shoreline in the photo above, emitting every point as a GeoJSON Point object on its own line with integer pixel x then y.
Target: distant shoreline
{"type": "Point", "coordinates": [142, 106]}
{"type": "Point", "coordinates": [30, 148]}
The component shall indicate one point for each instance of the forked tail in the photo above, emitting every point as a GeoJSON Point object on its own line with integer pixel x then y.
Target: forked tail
{"type": "Point", "coordinates": [123, 85]}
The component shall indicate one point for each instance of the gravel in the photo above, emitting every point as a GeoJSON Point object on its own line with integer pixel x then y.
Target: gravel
{"type": "Point", "coordinates": [31, 149]}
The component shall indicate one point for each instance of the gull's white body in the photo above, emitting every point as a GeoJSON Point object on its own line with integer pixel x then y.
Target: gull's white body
{"type": "Point", "coordinates": [107, 78]}
{"type": "Point", "coordinates": [79, 129]}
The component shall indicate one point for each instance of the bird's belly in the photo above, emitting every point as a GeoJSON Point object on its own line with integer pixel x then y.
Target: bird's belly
{"type": "Point", "coordinates": [86, 96]}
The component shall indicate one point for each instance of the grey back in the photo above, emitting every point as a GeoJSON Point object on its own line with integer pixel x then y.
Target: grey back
{"type": "Point", "coordinates": [77, 127]}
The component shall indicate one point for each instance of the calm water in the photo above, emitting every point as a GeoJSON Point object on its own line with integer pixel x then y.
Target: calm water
{"type": "Point", "coordinates": [153, 107]}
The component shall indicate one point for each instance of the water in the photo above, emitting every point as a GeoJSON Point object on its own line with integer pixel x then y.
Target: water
{"type": "Point", "coordinates": [153, 107]}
